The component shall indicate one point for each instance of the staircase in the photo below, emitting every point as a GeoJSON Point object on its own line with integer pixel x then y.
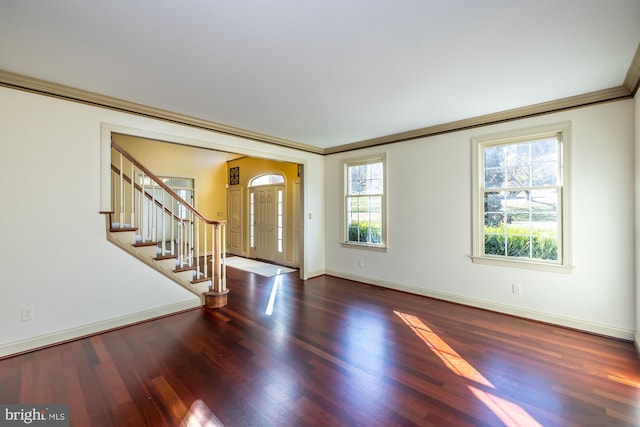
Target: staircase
{"type": "Point", "coordinates": [156, 225]}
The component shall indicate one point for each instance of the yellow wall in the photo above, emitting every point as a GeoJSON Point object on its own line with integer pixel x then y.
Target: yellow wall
{"type": "Point", "coordinates": [251, 167]}
{"type": "Point", "coordinates": [210, 170]}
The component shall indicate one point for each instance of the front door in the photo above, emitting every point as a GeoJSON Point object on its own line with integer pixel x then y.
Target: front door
{"type": "Point", "coordinates": [267, 223]}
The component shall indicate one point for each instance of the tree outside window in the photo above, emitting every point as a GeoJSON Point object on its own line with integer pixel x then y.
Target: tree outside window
{"type": "Point", "coordinates": [521, 204]}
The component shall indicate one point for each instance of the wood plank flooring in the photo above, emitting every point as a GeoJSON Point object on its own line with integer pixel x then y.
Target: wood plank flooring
{"type": "Point", "coordinates": [330, 352]}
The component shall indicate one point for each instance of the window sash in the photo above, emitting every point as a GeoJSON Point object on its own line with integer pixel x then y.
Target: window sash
{"type": "Point", "coordinates": [518, 230]}
{"type": "Point", "coordinates": [364, 222]}
{"type": "Point", "coordinates": [547, 170]}
{"type": "Point", "coordinates": [365, 202]}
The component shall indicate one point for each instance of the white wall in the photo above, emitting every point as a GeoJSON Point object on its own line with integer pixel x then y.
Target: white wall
{"type": "Point", "coordinates": [55, 256]}
{"type": "Point", "coordinates": [429, 226]}
{"type": "Point", "coordinates": [56, 259]}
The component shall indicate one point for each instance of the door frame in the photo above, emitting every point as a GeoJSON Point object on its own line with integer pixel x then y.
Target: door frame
{"type": "Point", "coordinates": [177, 135]}
{"type": "Point", "coordinates": [279, 257]}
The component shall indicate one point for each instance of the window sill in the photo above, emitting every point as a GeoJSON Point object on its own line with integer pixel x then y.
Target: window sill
{"type": "Point", "coordinates": [379, 248]}
{"type": "Point", "coordinates": [529, 265]}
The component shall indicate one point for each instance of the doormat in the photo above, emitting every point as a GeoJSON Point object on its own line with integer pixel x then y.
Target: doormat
{"type": "Point", "coordinates": [257, 267]}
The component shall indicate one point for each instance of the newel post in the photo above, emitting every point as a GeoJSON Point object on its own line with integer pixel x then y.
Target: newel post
{"type": "Point", "coordinates": [216, 297]}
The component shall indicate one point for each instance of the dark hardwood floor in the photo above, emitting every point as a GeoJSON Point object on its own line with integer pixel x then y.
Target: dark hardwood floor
{"type": "Point", "coordinates": [330, 352]}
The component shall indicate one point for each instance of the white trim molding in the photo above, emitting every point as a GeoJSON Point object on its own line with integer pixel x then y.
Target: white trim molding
{"type": "Point", "coordinates": [43, 87]}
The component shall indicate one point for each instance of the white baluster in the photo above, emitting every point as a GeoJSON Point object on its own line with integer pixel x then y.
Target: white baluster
{"type": "Point", "coordinates": [185, 242]}
{"type": "Point", "coordinates": [205, 249]}
{"type": "Point", "coordinates": [164, 222]}
{"type": "Point", "coordinates": [172, 221]}
{"type": "Point", "coordinates": [133, 195]}
{"type": "Point", "coordinates": [143, 204]}
{"type": "Point", "coordinates": [121, 218]}
{"type": "Point", "coordinates": [223, 270]}
{"type": "Point", "coordinates": [197, 246]}
{"type": "Point", "coordinates": [153, 211]}
{"type": "Point", "coordinates": [190, 239]}
{"type": "Point", "coordinates": [215, 236]}
{"type": "Point", "coordinates": [182, 247]}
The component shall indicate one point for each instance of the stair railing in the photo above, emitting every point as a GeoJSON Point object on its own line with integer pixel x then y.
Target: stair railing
{"type": "Point", "coordinates": [143, 202]}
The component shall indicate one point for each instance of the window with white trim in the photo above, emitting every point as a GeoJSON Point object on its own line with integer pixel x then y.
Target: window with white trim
{"type": "Point", "coordinates": [364, 202]}
{"type": "Point", "coordinates": [521, 198]}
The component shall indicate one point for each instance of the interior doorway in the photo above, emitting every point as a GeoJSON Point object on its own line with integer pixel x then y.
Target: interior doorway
{"type": "Point", "coordinates": [223, 180]}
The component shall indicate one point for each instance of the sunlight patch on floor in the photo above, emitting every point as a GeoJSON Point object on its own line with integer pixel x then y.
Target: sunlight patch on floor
{"type": "Point", "coordinates": [622, 380]}
{"type": "Point", "coordinates": [441, 349]}
{"type": "Point", "coordinates": [509, 413]}
{"type": "Point", "coordinates": [199, 415]}
{"type": "Point", "coordinates": [272, 298]}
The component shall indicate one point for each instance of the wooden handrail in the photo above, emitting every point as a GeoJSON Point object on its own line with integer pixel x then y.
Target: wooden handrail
{"type": "Point", "coordinates": [164, 186]}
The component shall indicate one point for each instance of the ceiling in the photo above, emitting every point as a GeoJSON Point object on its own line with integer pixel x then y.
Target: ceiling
{"type": "Point", "coordinates": [330, 73]}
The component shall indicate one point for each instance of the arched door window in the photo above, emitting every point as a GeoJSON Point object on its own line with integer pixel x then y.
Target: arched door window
{"type": "Point", "coordinates": [267, 179]}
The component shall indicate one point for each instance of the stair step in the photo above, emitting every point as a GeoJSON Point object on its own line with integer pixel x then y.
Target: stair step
{"type": "Point", "coordinates": [118, 230]}
{"type": "Point", "coordinates": [141, 244]}
{"type": "Point", "coordinates": [116, 226]}
{"type": "Point", "coordinates": [181, 269]}
{"type": "Point", "coordinates": [161, 257]}
{"type": "Point", "coordinates": [200, 280]}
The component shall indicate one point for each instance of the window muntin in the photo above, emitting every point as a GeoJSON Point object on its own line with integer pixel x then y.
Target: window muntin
{"type": "Point", "coordinates": [521, 204]}
{"type": "Point", "coordinates": [267, 179]}
{"type": "Point", "coordinates": [365, 202]}
{"type": "Point", "coordinates": [252, 221]}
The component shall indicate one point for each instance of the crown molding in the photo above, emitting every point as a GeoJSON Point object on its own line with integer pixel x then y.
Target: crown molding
{"type": "Point", "coordinates": [632, 80]}
{"type": "Point", "coordinates": [43, 87]}
{"type": "Point", "coordinates": [607, 95]}
{"type": "Point", "coordinates": [29, 84]}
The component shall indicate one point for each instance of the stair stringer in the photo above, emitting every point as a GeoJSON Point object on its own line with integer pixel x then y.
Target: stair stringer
{"type": "Point", "coordinates": [126, 239]}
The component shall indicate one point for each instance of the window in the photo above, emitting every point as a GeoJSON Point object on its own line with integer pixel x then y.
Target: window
{"type": "Point", "coordinates": [280, 219]}
{"type": "Point", "coordinates": [267, 179]}
{"type": "Point", "coordinates": [521, 209]}
{"type": "Point", "coordinates": [365, 204]}
{"type": "Point", "coordinates": [252, 221]}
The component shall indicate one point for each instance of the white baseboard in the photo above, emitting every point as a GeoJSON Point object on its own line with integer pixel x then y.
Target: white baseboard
{"type": "Point", "coordinates": [636, 341]}
{"type": "Point", "coordinates": [93, 328]}
{"type": "Point", "coordinates": [500, 308]}
{"type": "Point", "coordinates": [316, 273]}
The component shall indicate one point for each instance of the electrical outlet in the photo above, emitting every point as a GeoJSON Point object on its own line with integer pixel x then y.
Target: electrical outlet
{"type": "Point", "coordinates": [361, 263]}
{"type": "Point", "coordinates": [516, 288]}
{"type": "Point", "coordinates": [27, 314]}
